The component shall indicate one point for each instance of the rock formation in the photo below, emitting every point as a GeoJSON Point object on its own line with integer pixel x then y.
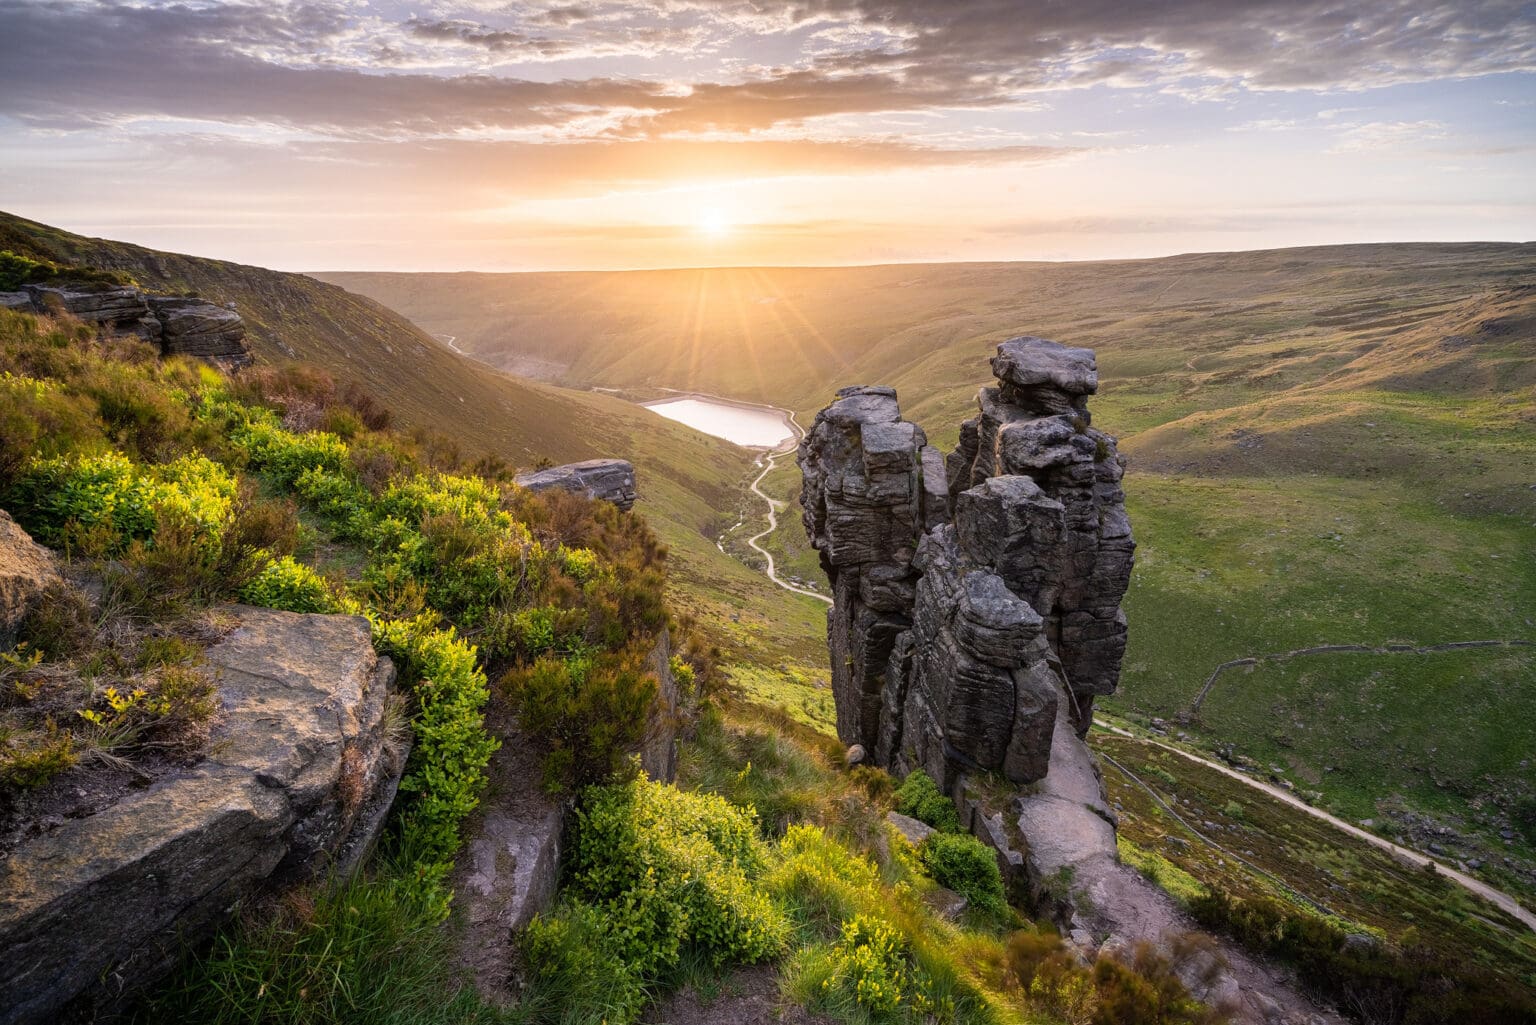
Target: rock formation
{"type": "Point", "coordinates": [978, 596]}
{"type": "Point", "coordinates": [612, 480]}
{"type": "Point", "coordinates": [976, 617]}
{"type": "Point", "coordinates": [180, 325]}
{"type": "Point", "coordinates": [26, 571]}
{"type": "Point", "coordinates": [298, 778]}
{"type": "Point", "coordinates": [192, 327]}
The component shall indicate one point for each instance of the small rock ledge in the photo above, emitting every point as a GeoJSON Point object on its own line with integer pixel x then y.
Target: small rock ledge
{"type": "Point", "coordinates": [608, 480]}
{"type": "Point", "coordinates": [180, 325]}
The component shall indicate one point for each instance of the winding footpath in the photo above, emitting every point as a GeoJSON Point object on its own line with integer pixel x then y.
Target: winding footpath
{"type": "Point", "coordinates": [1503, 901]}
{"type": "Point", "coordinates": [773, 509]}
{"type": "Point", "coordinates": [1347, 649]}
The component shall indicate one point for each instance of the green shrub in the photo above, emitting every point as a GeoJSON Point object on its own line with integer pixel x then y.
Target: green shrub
{"type": "Point", "coordinates": [867, 968]}
{"type": "Point", "coordinates": [576, 972]}
{"type": "Point", "coordinates": [447, 765]}
{"type": "Point", "coordinates": [368, 950]}
{"type": "Point", "coordinates": [30, 758]}
{"type": "Point", "coordinates": [672, 870]}
{"type": "Point", "coordinates": [291, 586]}
{"type": "Point", "coordinates": [285, 455]}
{"type": "Point", "coordinates": [39, 420]}
{"type": "Point", "coordinates": [592, 711]}
{"type": "Point", "coordinates": [967, 866]}
{"type": "Point", "coordinates": [128, 501]}
{"type": "Point", "coordinates": [821, 882]}
{"type": "Point", "coordinates": [17, 269]}
{"type": "Point", "coordinates": [919, 797]}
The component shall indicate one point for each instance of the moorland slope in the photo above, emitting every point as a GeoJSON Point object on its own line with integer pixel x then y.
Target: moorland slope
{"type": "Point", "coordinates": [1328, 446]}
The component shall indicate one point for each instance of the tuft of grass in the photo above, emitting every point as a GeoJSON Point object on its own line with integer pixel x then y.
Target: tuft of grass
{"type": "Point", "coordinates": [371, 949]}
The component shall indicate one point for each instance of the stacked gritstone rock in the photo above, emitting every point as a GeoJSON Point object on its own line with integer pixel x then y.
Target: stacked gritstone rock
{"type": "Point", "coordinates": [973, 601]}
{"type": "Point", "coordinates": [192, 327]}
{"type": "Point", "coordinates": [608, 480]}
{"type": "Point", "coordinates": [181, 326]}
{"type": "Point", "coordinates": [1035, 425]}
{"type": "Point", "coordinates": [868, 496]}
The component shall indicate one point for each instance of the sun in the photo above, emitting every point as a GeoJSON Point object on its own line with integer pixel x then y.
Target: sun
{"type": "Point", "coordinates": [713, 223]}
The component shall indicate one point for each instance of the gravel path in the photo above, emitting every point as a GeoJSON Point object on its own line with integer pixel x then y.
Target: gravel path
{"type": "Point", "coordinates": [1496, 897]}
{"type": "Point", "coordinates": [773, 512]}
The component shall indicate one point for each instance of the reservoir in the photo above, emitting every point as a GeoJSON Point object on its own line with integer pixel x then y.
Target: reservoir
{"type": "Point", "coordinates": [748, 426]}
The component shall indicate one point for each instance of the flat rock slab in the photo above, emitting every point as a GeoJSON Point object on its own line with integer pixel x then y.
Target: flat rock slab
{"type": "Point", "coordinates": [510, 866]}
{"type": "Point", "coordinates": [299, 772]}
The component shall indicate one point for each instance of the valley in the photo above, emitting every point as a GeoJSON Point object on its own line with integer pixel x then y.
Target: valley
{"type": "Point", "coordinates": [1328, 446]}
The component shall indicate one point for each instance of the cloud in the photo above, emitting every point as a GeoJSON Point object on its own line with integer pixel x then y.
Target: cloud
{"type": "Point", "coordinates": [351, 70]}
{"type": "Point", "coordinates": [1386, 135]}
{"type": "Point", "coordinates": [119, 63]}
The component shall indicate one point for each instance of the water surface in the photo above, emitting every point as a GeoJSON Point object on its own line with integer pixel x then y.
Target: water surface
{"type": "Point", "coordinates": [752, 427]}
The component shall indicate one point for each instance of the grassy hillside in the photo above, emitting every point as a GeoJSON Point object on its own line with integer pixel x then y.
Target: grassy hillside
{"type": "Point", "coordinates": [689, 483]}
{"type": "Point", "coordinates": [1331, 445]}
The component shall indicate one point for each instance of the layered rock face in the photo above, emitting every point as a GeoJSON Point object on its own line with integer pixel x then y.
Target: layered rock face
{"type": "Point", "coordinates": [298, 778]}
{"type": "Point", "coordinates": [1074, 569]}
{"type": "Point", "coordinates": [611, 480]}
{"type": "Point", "coordinates": [181, 326]}
{"type": "Point", "coordinates": [192, 327]}
{"type": "Point", "coordinates": [976, 599]}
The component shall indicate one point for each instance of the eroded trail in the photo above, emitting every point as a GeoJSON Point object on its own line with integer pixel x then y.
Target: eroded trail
{"type": "Point", "coordinates": [769, 462]}
{"type": "Point", "coordinates": [1496, 897]}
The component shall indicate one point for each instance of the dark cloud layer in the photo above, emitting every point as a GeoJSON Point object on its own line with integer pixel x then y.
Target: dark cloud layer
{"type": "Point", "coordinates": [64, 62]}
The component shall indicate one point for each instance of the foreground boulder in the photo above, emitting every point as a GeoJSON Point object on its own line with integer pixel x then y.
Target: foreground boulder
{"type": "Point", "coordinates": [26, 571]}
{"type": "Point", "coordinates": [300, 773]}
{"type": "Point", "coordinates": [611, 480]}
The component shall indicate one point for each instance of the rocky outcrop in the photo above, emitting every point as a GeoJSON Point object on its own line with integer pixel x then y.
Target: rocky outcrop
{"type": "Point", "coordinates": [976, 597]}
{"type": "Point", "coordinates": [192, 327]}
{"type": "Point", "coordinates": [611, 480]}
{"type": "Point", "coordinates": [113, 305]}
{"type": "Point", "coordinates": [26, 571]}
{"type": "Point", "coordinates": [1071, 564]}
{"type": "Point", "coordinates": [300, 773]}
{"type": "Point", "coordinates": [976, 618]}
{"type": "Point", "coordinates": [180, 325]}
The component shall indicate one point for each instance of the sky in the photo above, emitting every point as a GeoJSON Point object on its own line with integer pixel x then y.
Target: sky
{"type": "Point", "coordinates": [607, 134]}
